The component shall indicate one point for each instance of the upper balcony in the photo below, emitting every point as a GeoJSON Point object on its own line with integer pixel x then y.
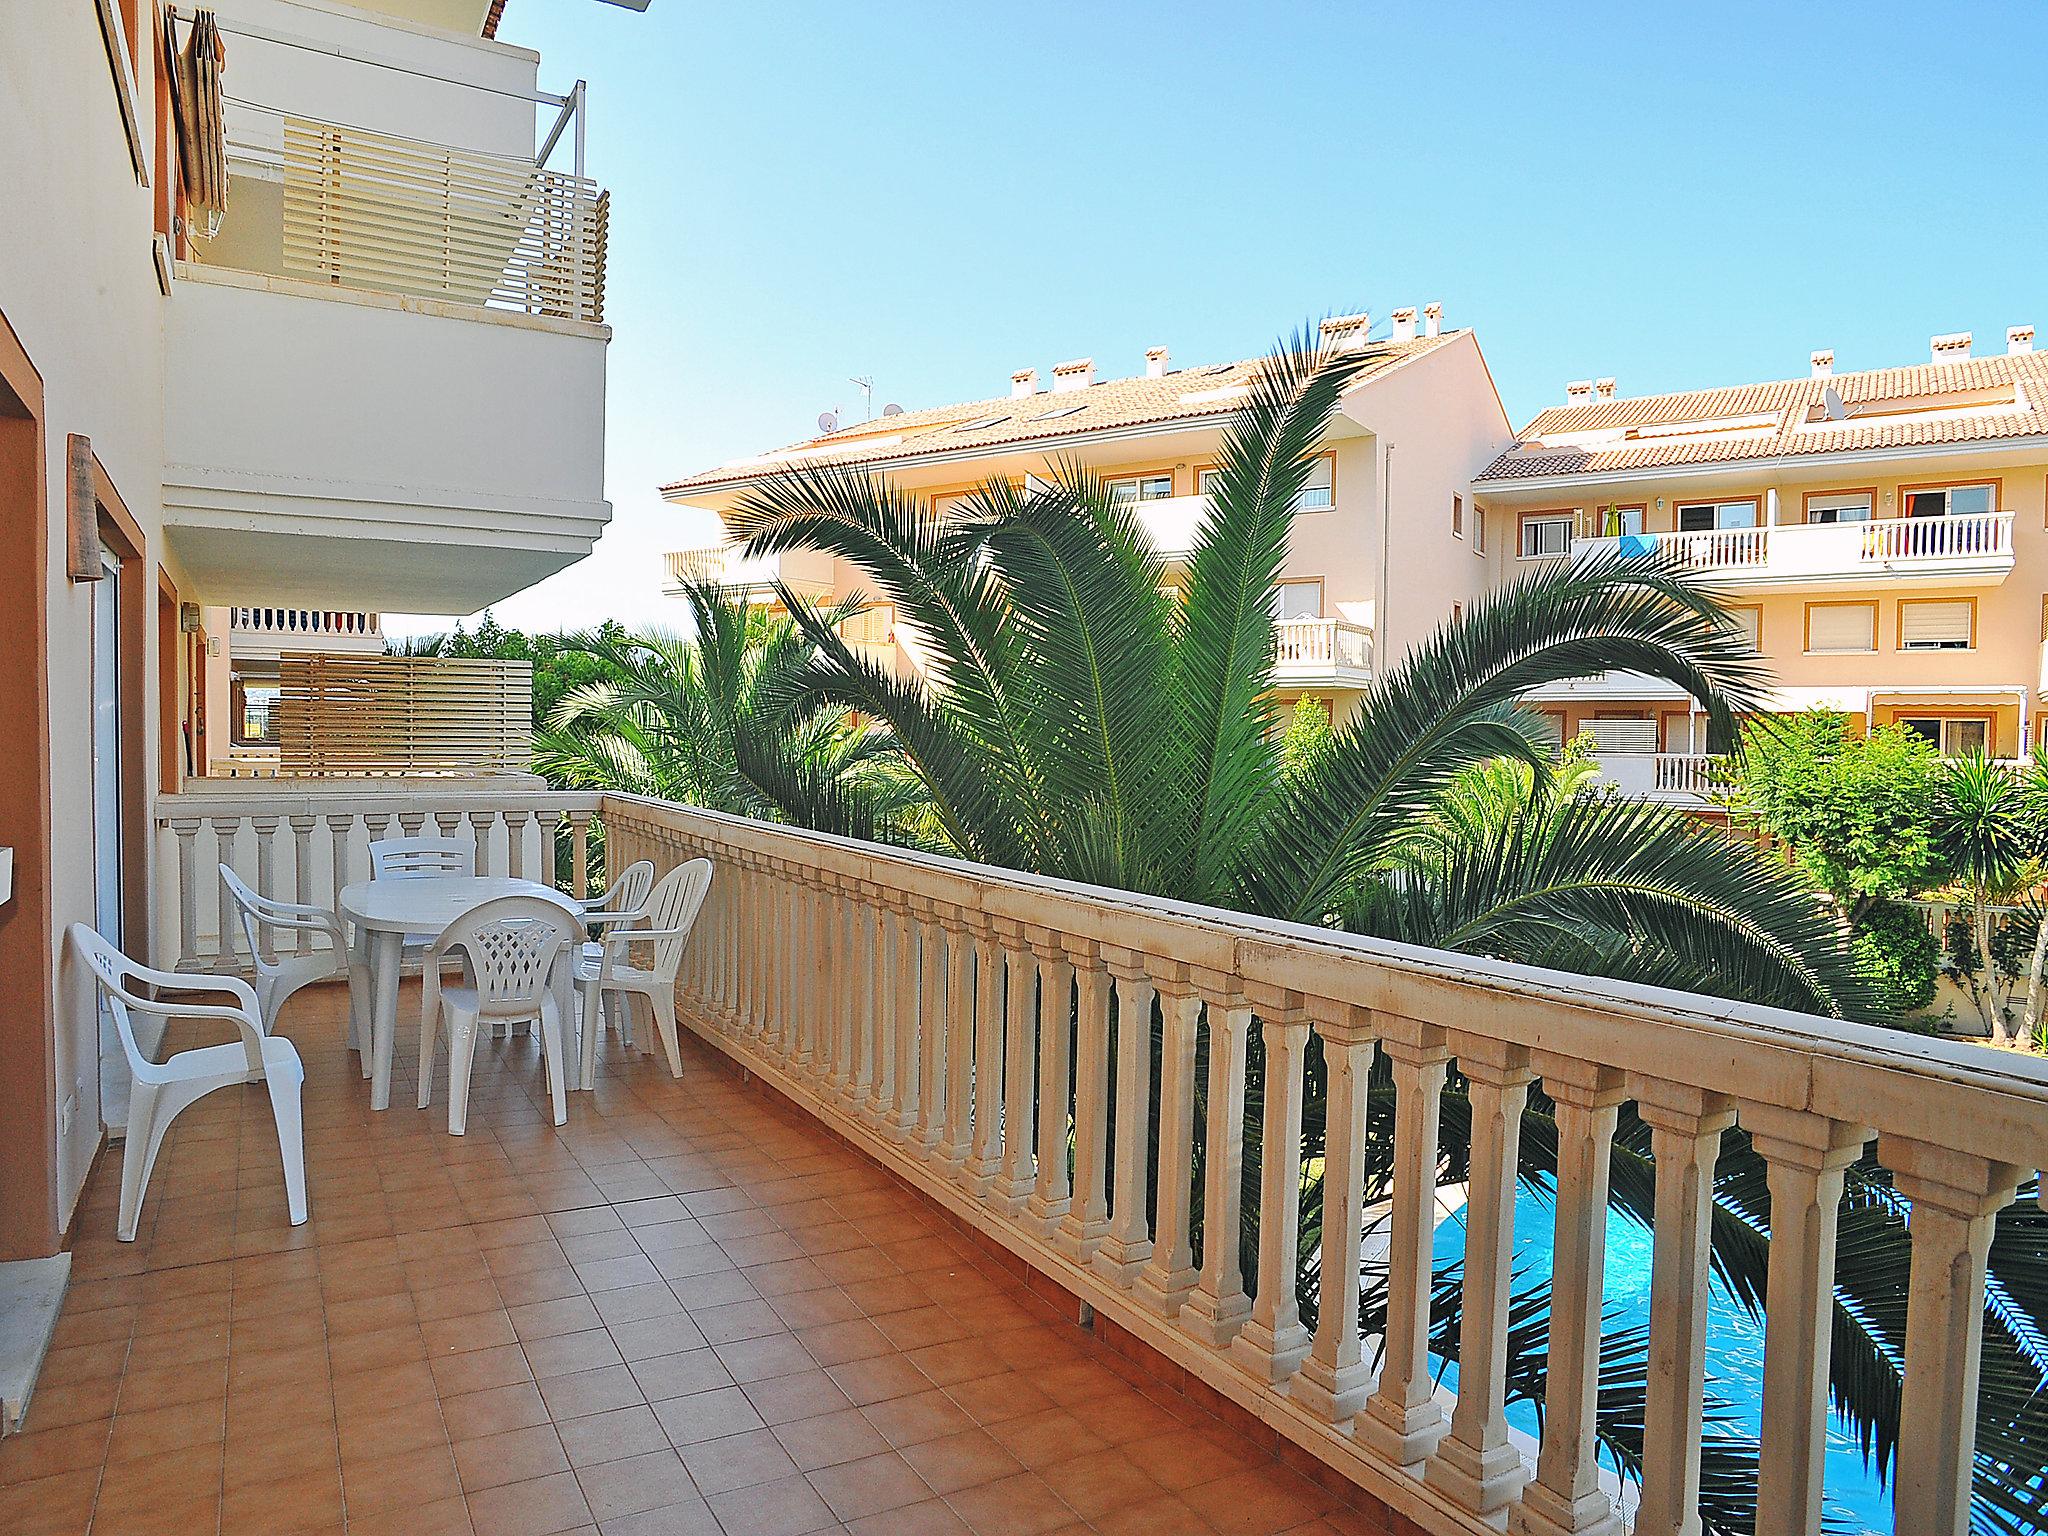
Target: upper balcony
{"type": "Point", "coordinates": [806, 572]}
{"type": "Point", "coordinates": [1329, 652]}
{"type": "Point", "coordinates": [1969, 549]}
{"type": "Point", "coordinates": [264, 634]}
{"type": "Point", "coordinates": [386, 370]}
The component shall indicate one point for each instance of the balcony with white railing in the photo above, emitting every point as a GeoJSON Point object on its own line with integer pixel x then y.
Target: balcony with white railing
{"type": "Point", "coordinates": [1034, 1058]}
{"type": "Point", "coordinates": [1973, 548]}
{"type": "Point", "coordinates": [1676, 778]}
{"type": "Point", "coordinates": [263, 634]}
{"type": "Point", "coordinates": [806, 572]}
{"type": "Point", "coordinates": [443, 303]}
{"type": "Point", "coordinates": [1334, 652]}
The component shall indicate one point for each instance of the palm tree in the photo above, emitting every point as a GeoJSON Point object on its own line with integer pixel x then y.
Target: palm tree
{"type": "Point", "coordinates": [722, 720]}
{"type": "Point", "coordinates": [1980, 831]}
{"type": "Point", "coordinates": [1074, 721]}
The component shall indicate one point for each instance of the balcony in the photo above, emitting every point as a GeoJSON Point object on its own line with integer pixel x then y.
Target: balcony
{"type": "Point", "coordinates": [804, 571]}
{"type": "Point", "coordinates": [1326, 652]}
{"type": "Point", "coordinates": [1173, 522]}
{"type": "Point", "coordinates": [264, 634]}
{"type": "Point", "coordinates": [889, 1244]}
{"type": "Point", "coordinates": [1673, 778]}
{"type": "Point", "coordinates": [1972, 549]}
{"type": "Point", "coordinates": [442, 304]}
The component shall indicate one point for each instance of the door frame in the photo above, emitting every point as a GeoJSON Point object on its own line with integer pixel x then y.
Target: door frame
{"type": "Point", "coordinates": [120, 532]}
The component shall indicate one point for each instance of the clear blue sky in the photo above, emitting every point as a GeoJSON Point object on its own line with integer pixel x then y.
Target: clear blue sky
{"type": "Point", "coordinates": [936, 194]}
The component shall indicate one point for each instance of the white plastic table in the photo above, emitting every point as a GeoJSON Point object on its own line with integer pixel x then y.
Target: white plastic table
{"type": "Point", "coordinates": [385, 911]}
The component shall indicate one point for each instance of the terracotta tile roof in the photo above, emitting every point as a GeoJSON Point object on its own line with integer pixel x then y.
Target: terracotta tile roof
{"type": "Point", "coordinates": [493, 16]}
{"type": "Point", "coordinates": [1979, 399]}
{"type": "Point", "coordinates": [1205, 392]}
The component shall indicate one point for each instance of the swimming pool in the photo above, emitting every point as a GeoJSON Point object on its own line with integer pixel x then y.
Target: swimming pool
{"type": "Point", "coordinates": [1855, 1500]}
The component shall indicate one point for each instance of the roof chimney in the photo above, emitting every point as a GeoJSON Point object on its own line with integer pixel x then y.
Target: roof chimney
{"type": "Point", "coordinates": [1579, 392]}
{"type": "Point", "coordinates": [1023, 383]}
{"type": "Point", "coordinates": [1603, 389]}
{"type": "Point", "coordinates": [1949, 349]}
{"type": "Point", "coordinates": [1404, 325]}
{"type": "Point", "coordinates": [1432, 319]}
{"type": "Point", "coordinates": [1069, 376]}
{"type": "Point", "coordinates": [1345, 333]}
{"type": "Point", "coordinates": [1156, 361]}
{"type": "Point", "coordinates": [2018, 339]}
{"type": "Point", "coordinates": [1824, 364]}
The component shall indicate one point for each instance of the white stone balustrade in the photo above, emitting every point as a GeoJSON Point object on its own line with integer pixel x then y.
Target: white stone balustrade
{"type": "Point", "coordinates": [987, 1037]}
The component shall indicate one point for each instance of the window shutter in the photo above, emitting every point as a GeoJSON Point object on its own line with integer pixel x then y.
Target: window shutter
{"type": "Point", "coordinates": [1748, 623]}
{"type": "Point", "coordinates": [1841, 627]}
{"type": "Point", "coordinates": [1934, 625]}
{"type": "Point", "coordinates": [1622, 735]}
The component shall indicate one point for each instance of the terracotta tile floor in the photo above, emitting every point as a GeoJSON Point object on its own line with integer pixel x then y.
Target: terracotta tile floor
{"type": "Point", "coordinates": [688, 1311]}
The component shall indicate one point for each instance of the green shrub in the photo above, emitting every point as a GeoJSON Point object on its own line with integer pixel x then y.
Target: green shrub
{"type": "Point", "coordinates": [1895, 950]}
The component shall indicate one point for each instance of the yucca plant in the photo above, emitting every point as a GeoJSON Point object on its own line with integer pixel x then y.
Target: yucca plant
{"type": "Point", "coordinates": [1072, 720]}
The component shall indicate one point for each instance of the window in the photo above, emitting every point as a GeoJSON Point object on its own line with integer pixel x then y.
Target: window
{"type": "Point", "coordinates": [1937, 624]}
{"type": "Point", "coordinates": [1478, 529]}
{"type": "Point", "coordinates": [1839, 507]}
{"type": "Point", "coordinates": [1457, 517]}
{"type": "Point", "coordinates": [948, 504]}
{"type": "Point", "coordinates": [253, 710]}
{"type": "Point", "coordinates": [984, 422]}
{"type": "Point", "coordinates": [1319, 492]}
{"type": "Point", "coordinates": [1748, 623]}
{"type": "Point", "coordinates": [1621, 733]}
{"type": "Point", "coordinates": [1546, 535]}
{"type": "Point", "coordinates": [1840, 627]}
{"type": "Point", "coordinates": [1128, 488]}
{"type": "Point", "coordinates": [1206, 480]}
{"type": "Point", "coordinates": [1968, 737]}
{"type": "Point", "coordinates": [1950, 500]}
{"type": "Point", "coordinates": [1614, 522]}
{"type": "Point", "coordinates": [1700, 516]}
{"type": "Point", "coordinates": [871, 626]}
{"type": "Point", "coordinates": [1058, 411]}
{"type": "Point", "coordinates": [1299, 600]}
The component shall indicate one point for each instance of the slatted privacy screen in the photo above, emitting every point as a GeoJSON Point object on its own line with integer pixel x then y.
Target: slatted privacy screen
{"type": "Point", "coordinates": [340, 715]}
{"type": "Point", "coordinates": [367, 210]}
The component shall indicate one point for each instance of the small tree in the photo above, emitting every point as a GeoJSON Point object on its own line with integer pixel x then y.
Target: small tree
{"type": "Point", "coordinates": [1856, 812]}
{"type": "Point", "coordinates": [1981, 832]}
{"type": "Point", "coordinates": [1307, 735]}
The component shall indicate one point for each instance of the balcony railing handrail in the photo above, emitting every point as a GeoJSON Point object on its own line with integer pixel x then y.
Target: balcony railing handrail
{"type": "Point", "coordinates": [307, 621]}
{"type": "Point", "coordinates": [1884, 539]}
{"type": "Point", "coordinates": [869, 985]}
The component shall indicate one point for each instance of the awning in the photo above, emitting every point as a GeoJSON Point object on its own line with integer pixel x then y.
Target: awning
{"type": "Point", "coordinates": [202, 137]}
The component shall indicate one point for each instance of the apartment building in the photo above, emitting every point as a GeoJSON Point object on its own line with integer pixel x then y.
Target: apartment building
{"type": "Point", "coordinates": [1881, 535]}
{"type": "Point", "coordinates": [1389, 496]}
{"type": "Point", "coordinates": [302, 316]}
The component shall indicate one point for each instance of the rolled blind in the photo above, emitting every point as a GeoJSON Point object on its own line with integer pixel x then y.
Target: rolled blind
{"type": "Point", "coordinates": [1934, 625]}
{"type": "Point", "coordinates": [1841, 627]}
{"type": "Point", "coordinates": [1622, 735]}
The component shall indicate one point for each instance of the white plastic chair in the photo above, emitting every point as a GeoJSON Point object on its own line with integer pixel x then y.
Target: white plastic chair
{"type": "Point", "coordinates": [419, 858]}
{"type": "Point", "coordinates": [513, 946]}
{"type": "Point", "coordinates": [280, 973]}
{"type": "Point", "coordinates": [671, 913]}
{"type": "Point", "coordinates": [163, 1090]}
{"type": "Point", "coordinates": [624, 903]}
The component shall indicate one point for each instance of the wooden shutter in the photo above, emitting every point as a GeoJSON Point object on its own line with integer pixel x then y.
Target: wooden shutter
{"type": "Point", "coordinates": [1841, 627]}
{"type": "Point", "coordinates": [346, 715]}
{"type": "Point", "coordinates": [1935, 625]}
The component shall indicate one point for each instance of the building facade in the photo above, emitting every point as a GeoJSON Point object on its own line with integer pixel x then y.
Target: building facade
{"type": "Point", "coordinates": [309, 315]}
{"type": "Point", "coordinates": [1388, 496]}
{"type": "Point", "coordinates": [1880, 536]}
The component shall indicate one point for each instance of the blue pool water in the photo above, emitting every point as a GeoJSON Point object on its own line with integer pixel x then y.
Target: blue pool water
{"type": "Point", "coordinates": [1735, 1347]}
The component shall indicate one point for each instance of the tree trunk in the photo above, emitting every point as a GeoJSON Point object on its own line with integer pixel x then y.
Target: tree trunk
{"type": "Point", "coordinates": [2035, 973]}
{"type": "Point", "coordinates": [1991, 1003]}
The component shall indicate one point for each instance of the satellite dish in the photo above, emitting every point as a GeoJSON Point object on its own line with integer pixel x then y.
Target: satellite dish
{"type": "Point", "coordinates": [892, 409]}
{"type": "Point", "coordinates": [828, 421]}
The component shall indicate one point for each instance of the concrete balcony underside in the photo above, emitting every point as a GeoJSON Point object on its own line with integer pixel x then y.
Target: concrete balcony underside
{"type": "Point", "coordinates": [324, 444]}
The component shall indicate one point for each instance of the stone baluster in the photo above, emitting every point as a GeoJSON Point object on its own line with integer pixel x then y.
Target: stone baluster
{"type": "Point", "coordinates": [550, 823]}
{"type": "Point", "coordinates": [302, 872]}
{"type": "Point", "coordinates": [266, 878]}
{"type": "Point", "coordinates": [1804, 1156]}
{"type": "Point", "coordinates": [413, 822]}
{"type": "Point", "coordinates": [810, 963]}
{"type": "Point", "coordinates": [932, 1025]}
{"type": "Point", "coordinates": [1169, 1275]}
{"type": "Point", "coordinates": [1566, 1498]}
{"type": "Point", "coordinates": [1333, 1380]}
{"type": "Point", "coordinates": [956, 1143]}
{"type": "Point", "coordinates": [867, 967]}
{"type": "Point", "coordinates": [338, 829]}
{"type": "Point", "coordinates": [1956, 1200]}
{"type": "Point", "coordinates": [579, 854]}
{"type": "Point", "coordinates": [845, 978]}
{"type": "Point", "coordinates": [1128, 1242]}
{"type": "Point", "coordinates": [224, 829]}
{"type": "Point", "coordinates": [1013, 1185]}
{"type": "Point", "coordinates": [797, 967]}
{"type": "Point", "coordinates": [908, 1019]}
{"type": "Point", "coordinates": [1475, 1463]}
{"type": "Point", "coordinates": [1051, 1195]}
{"type": "Point", "coordinates": [480, 824]}
{"type": "Point", "coordinates": [985, 1156]}
{"type": "Point", "coordinates": [1086, 1223]}
{"type": "Point", "coordinates": [1219, 1306]}
{"type": "Point", "coordinates": [1685, 1139]}
{"type": "Point", "coordinates": [186, 829]}
{"type": "Point", "coordinates": [888, 1008]}
{"type": "Point", "coordinates": [515, 841]}
{"type": "Point", "coordinates": [1272, 1343]}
